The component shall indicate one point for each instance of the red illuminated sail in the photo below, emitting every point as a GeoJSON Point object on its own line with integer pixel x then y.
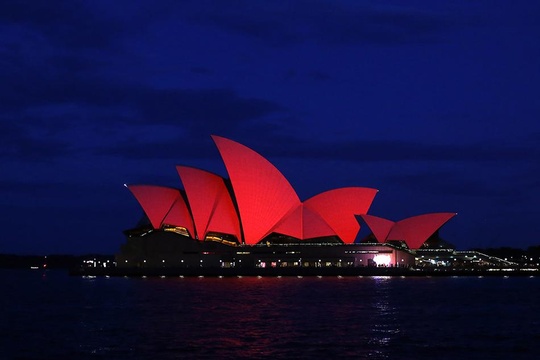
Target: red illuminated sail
{"type": "Point", "coordinates": [159, 202]}
{"type": "Point", "coordinates": [414, 230]}
{"type": "Point", "coordinates": [179, 216]}
{"type": "Point", "coordinates": [267, 203]}
{"type": "Point", "coordinates": [262, 193]}
{"type": "Point", "coordinates": [379, 227]}
{"type": "Point", "coordinates": [338, 208]}
{"type": "Point", "coordinates": [210, 202]}
{"type": "Point", "coordinates": [417, 229]}
{"type": "Point", "coordinates": [303, 223]}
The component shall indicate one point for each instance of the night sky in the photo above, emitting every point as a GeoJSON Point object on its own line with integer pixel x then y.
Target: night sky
{"type": "Point", "coordinates": [436, 104]}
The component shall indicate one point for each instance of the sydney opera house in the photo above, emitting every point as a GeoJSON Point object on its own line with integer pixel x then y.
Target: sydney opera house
{"type": "Point", "coordinates": [255, 220]}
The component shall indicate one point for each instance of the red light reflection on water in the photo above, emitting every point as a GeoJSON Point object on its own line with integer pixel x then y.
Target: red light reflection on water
{"type": "Point", "coordinates": [269, 317]}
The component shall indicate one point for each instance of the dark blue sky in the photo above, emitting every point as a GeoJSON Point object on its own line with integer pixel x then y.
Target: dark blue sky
{"type": "Point", "coordinates": [433, 103]}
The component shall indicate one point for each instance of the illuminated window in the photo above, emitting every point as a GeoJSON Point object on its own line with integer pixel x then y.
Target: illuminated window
{"type": "Point", "coordinates": [176, 229]}
{"type": "Point", "coordinates": [381, 259]}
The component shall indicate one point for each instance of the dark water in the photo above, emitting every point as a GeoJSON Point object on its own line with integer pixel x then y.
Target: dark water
{"type": "Point", "coordinates": [54, 316]}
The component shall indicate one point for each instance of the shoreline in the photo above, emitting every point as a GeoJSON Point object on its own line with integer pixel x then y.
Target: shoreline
{"type": "Point", "coordinates": [300, 272]}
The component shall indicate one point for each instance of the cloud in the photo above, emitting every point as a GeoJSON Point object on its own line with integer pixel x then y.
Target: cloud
{"type": "Point", "coordinates": [50, 77]}
{"type": "Point", "coordinates": [273, 139]}
{"type": "Point", "coordinates": [65, 23]}
{"type": "Point", "coordinates": [39, 188]}
{"type": "Point", "coordinates": [201, 109]}
{"type": "Point", "coordinates": [51, 92]}
{"type": "Point", "coordinates": [100, 24]}
{"type": "Point", "coordinates": [205, 109]}
{"type": "Point", "coordinates": [17, 143]}
{"type": "Point", "coordinates": [392, 150]}
{"type": "Point", "coordinates": [46, 132]}
{"type": "Point", "coordinates": [47, 92]}
{"type": "Point", "coordinates": [454, 184]}
{"type": "Point", "coordinates": [173, 149]}
{"type": "Point", "coordinates": [333, 22]}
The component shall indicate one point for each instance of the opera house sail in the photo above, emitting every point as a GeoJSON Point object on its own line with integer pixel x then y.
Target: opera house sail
{"type": "Point", "coordinates": [253, 220]}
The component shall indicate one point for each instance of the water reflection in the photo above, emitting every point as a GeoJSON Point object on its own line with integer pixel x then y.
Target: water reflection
{"type": "Point", "coordinates": [270, 317]}
{"type": "Point", "coordinates": [192, 318]}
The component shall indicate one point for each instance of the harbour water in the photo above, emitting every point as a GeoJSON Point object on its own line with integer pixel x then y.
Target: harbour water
{"type": "Point", "coordinates": [51, 315]}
